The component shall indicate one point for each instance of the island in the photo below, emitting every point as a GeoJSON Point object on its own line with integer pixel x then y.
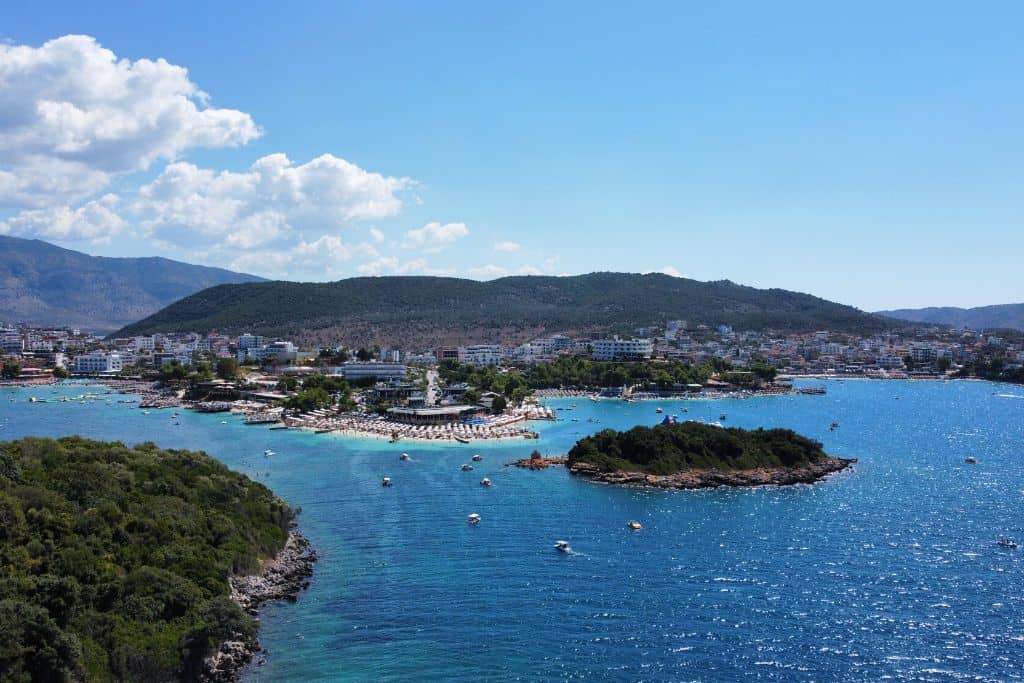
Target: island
{"type": "Point", "coordinates": [693, 455]}
{"type": "Point", "coordinates": [135, 563]}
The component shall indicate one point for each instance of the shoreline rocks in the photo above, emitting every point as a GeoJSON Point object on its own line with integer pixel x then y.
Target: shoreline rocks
{"type": "Point", "coordinates": [281, 578]}
{"type": "Point", "coordinates": [539, 463]}
{"type": "Point", "coordinates": [702, 479]}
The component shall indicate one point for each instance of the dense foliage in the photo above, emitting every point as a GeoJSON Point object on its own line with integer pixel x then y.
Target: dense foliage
{"type": "Point", "coordinates": [671, 448]}
{"type": "Point", "coordinates": [114, 560]}
{"type": "Point", "coordinates": [510, 384]}
{"type": "Point", "coordinates": [996, 370]}
{"type": "Point", "coordinates": [427, 309]}
{"type": "Point", "coordinates": [587, 374]}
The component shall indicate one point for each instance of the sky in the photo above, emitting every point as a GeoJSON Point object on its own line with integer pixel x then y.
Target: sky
{"type": "Point", "coordinates": [870, 153]}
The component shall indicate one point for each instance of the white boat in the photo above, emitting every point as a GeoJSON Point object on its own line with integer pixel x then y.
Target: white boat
{"type": "Point", "coordinates": [485, 482]}
{"type": "Point", "coordinates": [267, 453]}
{"type": "Point", "coordinates": [403, 456]}
{"type": "Point", "coordinates": [970, 460]}
{"type": "Point", "coordinates": [386, 481]}
{"type": "Point", "coordinates": [477, 457]}
{"type": "Point", "coordinates": [1005, 542]}
{"type": "Point", "coordinates": [563, 547]}
{"type": "Point", "coordinates": [467, 467]}
{"type": "Point", "coordinates": [634, 525]}
{"type": "Point", "coordinates": [473, 518]}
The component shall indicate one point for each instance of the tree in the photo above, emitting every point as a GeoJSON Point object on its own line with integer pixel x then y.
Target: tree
{"type": "Point", "coordinates": [943, 363]}
{"type": "Point", "coordinates": [908, 362]}
{"type": "Point", "coordinates": [499, 405]}
{"type": "Point", "coordinates": [61, 373]}
{"type": "Point", "coordinates": [309, 399]}
{"type": "Point", "coordinates": [364, 354]}
{"type": "Point", "coordinates": [471, 397]}
{"type": "Point", "coordinates": [10, 370]}
{"type": "Point", "coordinates": [173, 371]}
{"type": "Point", "coordinates": [227, 368]}
{"type": "Point", "coordinates": [287, 383]}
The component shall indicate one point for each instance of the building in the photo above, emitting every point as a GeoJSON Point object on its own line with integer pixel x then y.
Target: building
{"type": "Point", "coordinates": [449, 353]}
{"type": "Point", "coordinates": [481, 355]}
{"type": "Point", "coordinates": [250, 341]}
{"type": "Point", "coordinates": [383, 372]}
{"type": "Point", "coordinates": [99, 362]}
{"type": "Point", "coordinates": [432, 416]}
{"type": "Point", "coordinates": [11, 342]}
{"type": "Point", "coordinates": [622, 349]}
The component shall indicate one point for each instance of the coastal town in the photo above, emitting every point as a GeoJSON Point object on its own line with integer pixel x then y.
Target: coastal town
{"type": "Point", "coordinates": [483, 391]}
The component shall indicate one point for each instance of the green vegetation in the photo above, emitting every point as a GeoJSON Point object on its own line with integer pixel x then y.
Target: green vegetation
{"type": "Point", "coordinates": [227, 368]}
{"type": "Point", "coordinates": [403, 310]}
{"type": "Point", "coordinates": [114, 561]}
{"type": "Point", "coordinates": [510, 384]}
{"type": "Point", "coordinates": [996, 370]}
{"type": "Point", "coordinates": [10, 370]}
{"type": "Point", "coordinates": [61, 373]}
{"type": "Point", "coordinates": [671, 448]}
{"type": "Point", "coordinates": [587, 374]}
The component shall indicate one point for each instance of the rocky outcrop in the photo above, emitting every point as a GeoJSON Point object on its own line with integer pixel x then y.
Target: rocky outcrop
{"type": "Point", "coordinates": [532, 463]}
{"type": "Point", "coordinates": [281, 578]}
{"type": "Point", "coordinates": [701, 479]}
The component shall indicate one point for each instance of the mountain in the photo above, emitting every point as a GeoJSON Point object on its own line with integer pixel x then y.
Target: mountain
{"type": "Point", "coordinates": [44, 284]}
{"type": "Point", "coordinates": [1008, 316]}
{"type": "Point", "coordinates": [416, 311]}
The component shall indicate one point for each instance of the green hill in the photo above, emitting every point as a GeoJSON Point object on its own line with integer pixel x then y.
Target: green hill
{"type": "Point", "coordinates": [425, 310]}
{"type": "Point", "coordinates": [114, 561]}
{"type": "Point", "coordinates": [44, 284]}
{"type": "Point", "coordinates": [1000, 316]}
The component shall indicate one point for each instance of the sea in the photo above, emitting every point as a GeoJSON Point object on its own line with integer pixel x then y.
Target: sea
{"type": "Point", "coordinates": [889, 571]}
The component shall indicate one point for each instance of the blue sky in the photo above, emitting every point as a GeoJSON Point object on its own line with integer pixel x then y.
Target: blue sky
{"type": "Point", "coordinates": [871, 153]}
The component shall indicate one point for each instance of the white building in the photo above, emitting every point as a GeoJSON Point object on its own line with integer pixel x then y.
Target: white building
{"type": "Point", "coordinates": [11, 342]}
{"type": "Point", "coordinates": [622, 349]}
{"type": "Point", "coordinates": [249, 341]}
{"type": "Point", "coordinates": [358, 370]}
{"type": "Point", "coordinates": [99, 362]}
{"type": "Point", "coordinates": [481, 355]}
{"type": "Point", "coordinates": [143, 344]}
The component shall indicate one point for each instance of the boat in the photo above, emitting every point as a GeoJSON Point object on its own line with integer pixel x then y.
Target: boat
{"type": "Point", "coordinates": [477, 457]}
{"type": "Point", "coordinates": [722, 417]}
{"type": "Point", "coordinates": [386, 481]}
{"type": "Point", "coordinates": [223, 422]}
{"type": "Point", "coordinates": [485, 482]}
{"type": "Point", "coordinates": [473, 518]}
{"type": "Point", "coordinates": [834, 426]}
{"type": "Point", "coordinates": [467, 467]}
{"type": "Point", "coordinates": [261, 418]}
{"type": "Point", "coordinates": [659, 410]}
{"type": "Point", "coordinates": [971, 460]}
{"type": "Point", "coordinates": [563, 547]}
{"type": "Point", "coordinates": [1005, 542]}
{"type": "Point", "coordinates": [403, 456]}
{"type": "Point", "coordinates": [460, 439]}
{"type": "Point", "coordinates": [634, 525]}
{"type": "Point", "coordinates": [267, 453]}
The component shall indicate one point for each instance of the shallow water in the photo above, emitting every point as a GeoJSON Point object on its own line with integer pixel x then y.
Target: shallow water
{"type": "Point", "coordinates": [887, 572]}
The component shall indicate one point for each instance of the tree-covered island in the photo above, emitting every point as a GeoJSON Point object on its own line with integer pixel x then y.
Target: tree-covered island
{"type": "Point", "coordinates": [694, 455]}
{"type": "Point", "coordinates": [119, 563]}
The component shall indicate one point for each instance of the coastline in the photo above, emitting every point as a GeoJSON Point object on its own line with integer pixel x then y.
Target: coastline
{"type": "Point", "coordinates": [281, 578]}
{"type": "Point", "coordinates": [705, 479]}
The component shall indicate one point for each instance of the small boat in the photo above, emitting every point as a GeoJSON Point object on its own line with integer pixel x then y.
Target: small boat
{"type": "Point", "coordinates": [485, 482]}
{"type": "Point", "coordinates": [403, 456]}
{"type": "Point", "coordinates": [971, 460]}
{"type": "Point", "coordinates": [460, 439]}
{"type": "Point", "coordinates": [473, 518]}
{"type": "Point", "coordinates": [634, 525]}
{"type": "Point", "coordinates": [563, 547]}
{"type": "Point", "coordinates": [722, 417]}
{"type": "Point", "coordinates": [223, 422]}
{"type": "Point", "coordinates": [145, 412]}
{"type": "Point", "coordinates": [659, 410]}
{"type": "Point", "coordinates": [267, 453]}
{"type": "Point", "coordinates": [386, 481]}
{"type": "Point", "coordinates": [834, 426]}
{"type": "Point", "coordinates": [477, 457]}
{"type": "Point", "coordinates": [1005, 542]}
{"type": "Point", "coordinates": [467, 467]}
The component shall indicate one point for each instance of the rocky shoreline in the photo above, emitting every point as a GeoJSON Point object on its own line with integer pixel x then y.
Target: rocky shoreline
{"type": "Point", "coordinates": [702, 479]}
{"type": "Point", "coordinates": [281, 578]}
{"type": "Point", "coordinates": [538, 463]}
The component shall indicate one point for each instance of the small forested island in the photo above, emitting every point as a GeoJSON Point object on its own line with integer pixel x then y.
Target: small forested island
{"type": "Point", "coordinates": [127, 563]}
{"type": "Point", "coordinates": [691, 455]}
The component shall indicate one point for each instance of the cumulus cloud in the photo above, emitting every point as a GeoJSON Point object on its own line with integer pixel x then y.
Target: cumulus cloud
{"type": "Point", "coordinates": [376, 235]}
{"type": "Point", "coordinates": [436, 233]}
{"type": "Point", "coordinates": [274, 201]}
{"type": "Point", "coordinates": [96, 221]}
{"type": "Point", "coordinates": [73, 115]}
{"type": "Point", "coordinates": [670, 270]}
{"type": "Point", "coordinates": [506, 246]}
{"type": "Point", "coordinates": [392, 265]}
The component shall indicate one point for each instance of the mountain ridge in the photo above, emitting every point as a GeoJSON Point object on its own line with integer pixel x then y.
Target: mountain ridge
{"type": "Point", "coordinates": [997, 316]}
{"type": "Point", "coordinates": [427, 309]}
{"type": "Point", "coordinates": [44, 284]}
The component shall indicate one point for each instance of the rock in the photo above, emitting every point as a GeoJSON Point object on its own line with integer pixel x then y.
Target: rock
{"type": "Point", "coordinates": [699, 479]}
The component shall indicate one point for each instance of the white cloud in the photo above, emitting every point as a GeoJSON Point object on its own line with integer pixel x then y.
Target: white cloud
{"type": "Point", "coordinates": [273, 202]}
{"type": "Point", "coordinates": [506, 246]}
{"type": "Point", "coordinates": [376, 235]}
{"type": "Point", "coordinates": [96, 221]}
{"type": "Point", "coordinates": [436, 233]}
{"type": "Point", "coordinates": [73, 115]}
{"type": "Point", "coordinates": [392, 265]}
{"type": "Point", "coordinates": [488, 272]}
{"type": "Point", "coordinates": [670, 270]}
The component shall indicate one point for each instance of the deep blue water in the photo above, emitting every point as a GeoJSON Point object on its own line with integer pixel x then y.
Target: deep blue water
{"type": "Point", "coordinates": [887, 572]}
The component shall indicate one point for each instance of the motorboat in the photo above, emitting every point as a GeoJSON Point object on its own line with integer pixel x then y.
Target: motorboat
{"type": "Point", "coordinates": [485, 482]}
{"type": "Point", "coordinates": [834, 426]}
{"type": "Point", "coordinates": [386, 481]}
{"type": "Point", "coordinates": [460, 439]}
{"type": "Point", "coordinates": [267, 453]}
{"type": "Point", "coordinates": [563, 547]}
{"type": "Point", "coordinates": [403, 456]}
{"type": "Point", "coordinates": [473, 518]}
{"type": "Point", "coordinates": [634, 525]}
{"type": "Point", "coordinates": [477, 457]}
{"type": "Point", "coordinates": [467, 467]}
{"type": "Point", "coordinates": [1005, 542]}
{"type": "Point", "coordinates": [971, 460]}
{"type": "Point", "coordinates": [722, 417]}
{"type": "Point", "coordinates": [659, 410]}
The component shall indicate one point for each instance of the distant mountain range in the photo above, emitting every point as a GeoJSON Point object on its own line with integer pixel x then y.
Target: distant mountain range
{"type": "Point", "coordinates": [415, 312]}
{"type": "Point", "coordinates": [44, 284]}
{"type": "Point", "coordinates": [1007, 316]}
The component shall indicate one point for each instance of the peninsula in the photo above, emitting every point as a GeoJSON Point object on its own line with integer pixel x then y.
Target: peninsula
{"type": "Point", "coordinates": [692, 455]}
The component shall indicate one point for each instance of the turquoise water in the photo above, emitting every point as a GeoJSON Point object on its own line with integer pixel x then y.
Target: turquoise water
{"type": "Point", "coordinates": [887, 572]}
